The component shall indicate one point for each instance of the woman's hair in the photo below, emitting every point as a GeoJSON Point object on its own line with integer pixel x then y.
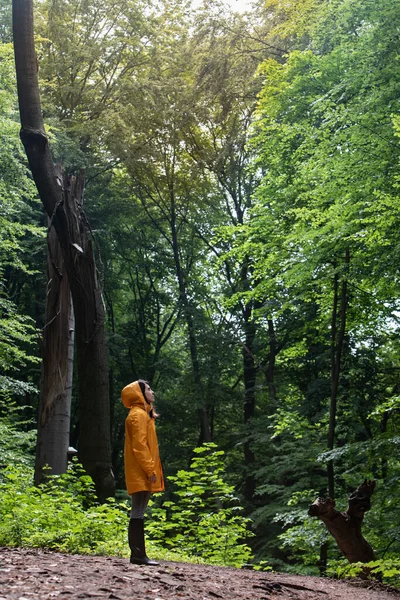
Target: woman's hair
{"type": "Point", "coordinates": [142, 384]}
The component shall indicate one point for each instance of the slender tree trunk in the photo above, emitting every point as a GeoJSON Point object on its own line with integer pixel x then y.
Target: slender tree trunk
{"type": "Point", "coordinates": [337, 340]}
{"type": "Point", "coordinates": [323, 559]}
{"type": "Point", "coordinates": [249, 378]}
{"type": "Point", "coordinates": [334, 377]}
{"type": "Point", "coordinates": [270, 371]}
{"type": "Point", "coordinates": [205, 430]}
{"type": "Point", "coordinates": [57, 368]}
{"type": "Point", "coordinates": [72, 230]}
{"type": "Point", "coordinates": [383, 429]}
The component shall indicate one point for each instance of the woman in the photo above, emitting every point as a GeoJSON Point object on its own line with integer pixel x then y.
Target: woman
{"type": "Point", "coordinates": [143, 471]}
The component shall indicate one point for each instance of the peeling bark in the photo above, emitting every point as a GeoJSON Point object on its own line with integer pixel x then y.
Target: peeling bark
{"type": "Point", "coordinates": [345, 527]}
{"type": "Point", "coordinates": [57, 368]}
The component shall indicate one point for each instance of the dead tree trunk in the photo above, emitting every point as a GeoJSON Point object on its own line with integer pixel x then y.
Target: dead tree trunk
{"type": "Point", "coordinates": [57, 368]}
{"type": "Point", "coordinates": [74, 237]}
{"type": "Point", "coordinates": [345, 527]}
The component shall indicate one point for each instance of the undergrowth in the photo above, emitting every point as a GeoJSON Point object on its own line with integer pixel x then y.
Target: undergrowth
{"type": "Point", "coordinates": [63, 515]}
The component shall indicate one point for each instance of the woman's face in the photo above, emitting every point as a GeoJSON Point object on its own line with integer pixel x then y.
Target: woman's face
{"type": "Point", "coordinates": [148, 392]}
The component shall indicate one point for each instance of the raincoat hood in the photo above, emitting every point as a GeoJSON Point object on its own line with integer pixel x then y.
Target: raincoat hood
{"type": "Point", "coordinates": [132, 396]}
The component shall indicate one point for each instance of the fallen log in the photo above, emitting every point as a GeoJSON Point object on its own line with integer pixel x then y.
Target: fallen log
{"type": "Point", "coordinates": [345, 527]}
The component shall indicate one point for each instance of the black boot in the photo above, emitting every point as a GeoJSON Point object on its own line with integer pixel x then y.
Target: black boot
{"type": "Point", "coordinates": [137, 545]}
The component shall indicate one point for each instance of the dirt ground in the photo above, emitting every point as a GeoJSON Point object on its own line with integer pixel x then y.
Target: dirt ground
{"type": "Point", "coordinates": [30, 574]}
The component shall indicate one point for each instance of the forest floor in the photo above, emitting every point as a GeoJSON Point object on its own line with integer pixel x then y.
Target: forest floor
{"type": "Point", "coordinates": [30, 574]}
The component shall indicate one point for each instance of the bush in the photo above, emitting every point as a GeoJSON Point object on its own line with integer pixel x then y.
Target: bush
{"type": "Point", "coordinates": [61, 514]}
{"type": "Point", "coordinates": [205, 522]}
{"type": "Point", "coordinates": [386, 570]}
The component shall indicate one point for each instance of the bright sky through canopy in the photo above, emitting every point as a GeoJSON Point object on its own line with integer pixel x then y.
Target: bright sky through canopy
{"type": "Point", "coordinates": [236, 5]}
{"type": "Point", "coordinates": [239, 5]}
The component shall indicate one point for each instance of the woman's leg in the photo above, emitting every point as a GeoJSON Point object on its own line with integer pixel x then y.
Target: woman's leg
{"type": "Point", "coordinates": [140, 501]}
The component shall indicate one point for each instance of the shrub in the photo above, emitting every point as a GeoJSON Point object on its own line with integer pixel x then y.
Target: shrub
{"type": "Point", "coordinates": [205, 522]}
{"type": "Point", "coordinates": [386, 570]}
{"type": "Point", "coordinates": [61, 514]}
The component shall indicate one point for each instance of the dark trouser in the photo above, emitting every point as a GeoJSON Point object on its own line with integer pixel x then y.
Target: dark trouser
{"type": "Point", "coordinates": [140, 501]}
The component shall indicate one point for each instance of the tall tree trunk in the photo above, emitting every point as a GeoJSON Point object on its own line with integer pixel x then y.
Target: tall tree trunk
{"type": "Point", "coordinates": [249, 378]}
{"type": "Point", "coordinates": [205, 430]}
{"type": "Point", "coordinates": [383, 428]}
{"type": "Point", "coordinates": [337, 340]}
{"type": "Point", "coordinates": [72, 231]}
{"type": "Point", "coordinates": [270, 370]}
{"type": "Point", "coordinates": [250, 369]}
{"type": "Point", "coordinates": [57, 368]}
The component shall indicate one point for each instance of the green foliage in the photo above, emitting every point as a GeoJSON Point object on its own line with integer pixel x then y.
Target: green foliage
{"type": "Point", "coordinates": [87, 52]}
{"type": "Point", "coordinates": [18, 335]}
{"type": "Point", "coordinates": [17, 191]}
{"type": "Point", "coordinates": [325, 140]}
{"type": "Point", "coordinates": [16, 446]}
{"type": "Point", "coordinates": [15, 332]}
{"type": "Point", "coordinates": [5, 21]}
{"type": "Point", "coordinates": [386, 570]}
{"type": "Point", "coordinates": [302, 534]}
{"type": "Point", "coordinates": [61, 514]}
{"type": "Point", "coordinates": [205, 521]}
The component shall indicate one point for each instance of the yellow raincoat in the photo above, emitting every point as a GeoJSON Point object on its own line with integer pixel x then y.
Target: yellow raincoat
{"type": "Point", "coordinates": [141, 455]}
